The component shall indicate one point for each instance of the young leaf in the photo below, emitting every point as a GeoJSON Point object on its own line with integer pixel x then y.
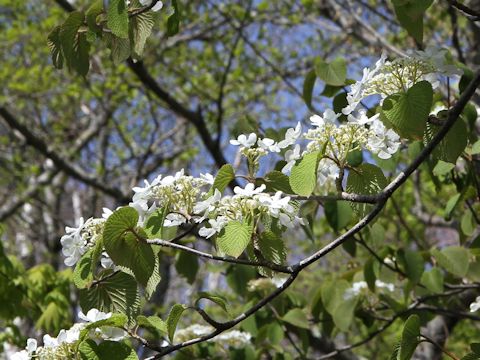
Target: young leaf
{"type": "Point", "coordinates": [153, 322]}
{"type": "Point", "coordinates": [217, 299]}
{"type": "Point", "coordinates": [410, 334]}
{"type": "Point", "coordinates": [338, 214]}
{"type": "Point", "coordinates": [173, 22]}
{"type": "Point", "coordinates": [454, 259]}
{"type": "Point", "coordinates": [117, 18]}
{"type": "Point", "coordinates": [303, 177]}
{"type": "Point", "coordinates": [297, 318]}
{"type": "Point", "coordinates": [141, 27]}
{"type": "Point", "coordinates": [173, 318]}
{"type": "Point", "coordinates": [433, 280]}
{"type": "Point", "coordinates": [187, 265]}
{"type": "Point", "coordinates": [234, 238]}
{"type": "Point", "coordinates": [308, 86]}
{"type": "Point", "coordinates": [225, 175]}
{"type": "Point", "coordinates": [113, 350]}
{"type": "Point", "coordinates": [333, 73]}
{"type": "Point", "coordinates": [407, 112]}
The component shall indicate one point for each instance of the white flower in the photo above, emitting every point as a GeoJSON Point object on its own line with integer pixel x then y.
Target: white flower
{"type": "Point", "coordinates": [355, 290]}
{"type": "Point", "coordinates": [380, 284]}
{"type": "Point", "coordinates": [216, 225]}
{"type": "Point", "coordinates": [291, 156]}
{"type": "Point", "coordinates": [208, 178]}
{"type": "Point", "coordinates": [73, 244]}
{"type": "Point", "coordinates": [329, 117]}
{"type": "Point", "coordinates": [475, 306]}
{"type": "Point", "coordinates": [291, 136]}
{"type": "Point", "coordinates": [268, 145]}
{"type": "Point", "coordinates": [49, 342]}
{"type": "Point", "coordinates": [327, 171]}
{"type": "Point", "coordinates": [361, 118]}
{"type": "Point", "coordinates": [94, 315]}
{"type": "Point", "coordinates": [69, 336]}
{"type": "Point", "coordinates": [106, 213]}
{"type": "Point", "coordinates": [156, 7]}
{"type": "Point", "coordinates": [382, 141]}
{"type": "Point", "coordinates": [31, 346]}
{"type": "Point", "coordinates": [249, 190]}
{"type": "Point", "coordinates": [244, 141]}
{"type": "Point", "coordinates": [209, 204]}
{"type": "Point", "coordinates": [234, 338]}
{"type": "Point", "coordinates": [21, 355]}
{"type": "Point", "coordinates": [276, 203]}
{"type": "Point", "coordinates": [174, 219]}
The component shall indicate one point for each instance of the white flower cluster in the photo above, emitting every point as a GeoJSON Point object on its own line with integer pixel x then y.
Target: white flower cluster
{"type": "Point", "coordinates": [390, 77]}
{"type": "Point", "coordinates": [246, 202]}
{"type": "Point", "coordinates": [63, 346]}
{"type": "Point", "coordinates": [265, 284]}
{"type": "Point", "coordinates": [233, 338]}
{"type": "Point", "coordinates": [358, 286]}
{"type": "Point", "coordinates": [179, 192]}
{"type": "Point", "coordinates": [78, 240]}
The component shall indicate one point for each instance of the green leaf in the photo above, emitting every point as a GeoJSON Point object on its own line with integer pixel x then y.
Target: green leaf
{"type": "Point", "coordinates": [91, 16]}
{"type": "Point", "coordinates": [475, 148]}
{"type": "Point", "coordinates": [217, 299]}
{"type": "Point", "coordinates": [410, 334]}
{"type": "Point", "coordinates": [225, 175]}
{"type": "Point", "coordinates": [303, 177]}
{"type": "Point", "coordinates": [277, 181]}
{"type": "Point", "coordinates": [443, 168]}
{"type": "Point", "coordinates": [308, 86]}
{"type": "Point", "coordinates": [407, 112]}
{"type": "Point", "coordinates": [272, 247]}
{"type": "Point", "coordinates": [173, 22]}
{"type": "Point", "coordinates": [75, 47]}
{"type": "Point", "coordinates": [173, 318]}
{"type": "Point", "coordinates": [338, 214]}
{"type": "Point", "coordinates": [296, 317]}
{"type": "Point", "coordinates": [234, 238]}
{"type": "Point", "coordinates": [367, 179]}
{"type": "Point", "coordinates": [124, 248]}
{"type": "Point", "coordinates": [82, 275]}
{"type": "Point", "coordinates": [414, 265]}
{"type": "Point", "coordinates": [333, 73]}
{"type": "Point", "coordinates": [140, 29]}
{"type": "Point", "coordinates": [468, 224]}
{"type": "Point", "coordinates": [452, 145]}
{"type": "Point", "coordinates": [410, 15]}
{"type": "Point", "coordinates": [119, 48]}
{"type": "Point", "coordinates": [117, 18]}
{"type": "Point", "coordinates": [112, 350]}
{"type": "Point", "coordinates": [187, 265]}
{"type": "Point", "coordinates": [154, 224]}
{"type": "Point", "coordinates": [153, 322]}
{"type": "Point", "coordinates": [115, 293]}
{"type": "Point", "coordinates": [55, 45]}
{"type": "Point", "coordinates": [454, 259]}
{"type": "Point", "coordinates": [343, 313]}
{"type": "Point", "coordinates": [451, 205]}
{"type": "Point", "coordinates": [433, 280]}
{"type": "Point", "coordinates": [52, 318]}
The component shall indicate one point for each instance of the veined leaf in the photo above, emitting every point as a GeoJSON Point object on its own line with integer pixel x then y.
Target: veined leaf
{"type": "Point", "coordinates": [234, 238]}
